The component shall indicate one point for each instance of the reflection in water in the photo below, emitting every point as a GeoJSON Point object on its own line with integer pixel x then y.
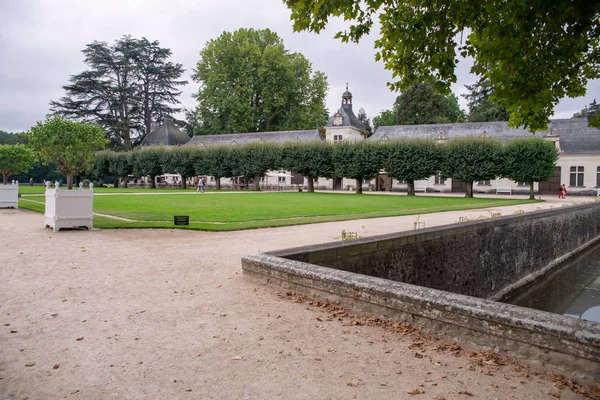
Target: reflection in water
{"type": "Point", "coordinates": [574, 290]}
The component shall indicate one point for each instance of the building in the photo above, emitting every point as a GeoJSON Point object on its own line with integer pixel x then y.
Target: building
{"type": "Point", "coordinates": [578, 165]}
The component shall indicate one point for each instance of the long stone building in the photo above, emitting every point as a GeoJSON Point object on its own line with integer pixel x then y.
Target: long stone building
{"type": "Point", "coordinates": [578, 145]}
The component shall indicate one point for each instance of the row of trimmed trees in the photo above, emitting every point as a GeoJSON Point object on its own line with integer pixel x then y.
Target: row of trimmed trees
{"type": "Point", "coordinates": [468, 159]}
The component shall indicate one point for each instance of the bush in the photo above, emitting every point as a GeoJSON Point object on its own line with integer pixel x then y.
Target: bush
{"type": "Point", "coordinates": [86, 183]}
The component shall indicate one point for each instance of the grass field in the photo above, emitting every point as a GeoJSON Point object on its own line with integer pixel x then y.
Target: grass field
{"type": "Point", "coordinates": [224, 211]}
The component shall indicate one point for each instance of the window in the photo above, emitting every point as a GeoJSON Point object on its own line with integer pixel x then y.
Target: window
{"type": "Point", "coordinates": [439, 180]}
{"type": "Point", "coordinates": [337, 138]}
{"type": "Point", "coordinates": [598, 177]}
{"type": "Point", "coordinates": [522, 184]}
{"type": "Point", "coordinates": [576, 176]}
{"type": "Point", "coordinates": [484, 183]}
{"type": "Point", "coordinates": [281, 179]}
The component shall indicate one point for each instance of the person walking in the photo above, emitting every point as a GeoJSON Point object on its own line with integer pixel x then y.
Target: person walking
{"type": "Point", "coordinates": [563, 191]}
{"type": "Point", "coordinates": [198, 185]}
{"type": "Point", "coordinates": [202, 185]}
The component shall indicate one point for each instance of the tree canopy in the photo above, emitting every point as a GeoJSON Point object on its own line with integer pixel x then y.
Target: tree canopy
{"type": "Point", "coordinates": [480, 101]}
{"type": "Point", "coordinates": [420, 105]}
{"type": "Point", "coordinates": [250, 83]}
{"type": "Point", "coordinates": [530, 160]}
{"type": "Point", "coordinates": [592, 113]}
{"type": "Point", "coordinates": [534, 53]}
{"type": "Point", "coordinates": [14, 158]}
{"type": "Point", "coordinates": [128, 85]}
{"type": "Point", "coordinates": [70, 145]}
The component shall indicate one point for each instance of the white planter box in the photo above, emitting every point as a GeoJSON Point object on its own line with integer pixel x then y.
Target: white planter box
{"type": "Point", "coordinates": [9, 195]}
{"type": "Point", "coordinates": [69, 208]}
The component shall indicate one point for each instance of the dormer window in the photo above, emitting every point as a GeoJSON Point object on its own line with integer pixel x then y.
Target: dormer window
{"type": "Point", "coordinates": [337, 119]}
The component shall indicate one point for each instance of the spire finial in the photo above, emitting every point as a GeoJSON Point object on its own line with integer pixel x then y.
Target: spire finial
{"type": "Point", "coordinates": [346, 86]}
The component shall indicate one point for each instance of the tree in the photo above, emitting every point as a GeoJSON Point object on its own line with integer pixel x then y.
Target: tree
{"type": "Point", "coordinates": [148, 162]}
{"type": "Point", "coordinates": [311, 159]}
{"type": "Point", "coordinates": [217, 161]}
{"type": "Point", "coordinates": [592, 113]}
{"type": "Point", "coordinates": [362, 117]}
{"type": "Point", "coordinates": [250, 83]}
{"type": "Point", "coordinates": [127, 85]}
{"type": "Point", "coordinates": [385, 118]}
{"type": "Point", "coordinates": [120, 165]}
{"type": "Point", "coordinates": [101, 167]}
{"type": "Point", "coordinates": [420, 105]}
{"type": "Point", "coordinates": [482, 107]}
{"type": "Point", "coordinates": [534, 53]}
{"type": "Point", "coordinates": [12, 138]}
{"type": "Point", "coordinates": [357, 160]}
{"type": "Point", "coordinates": [530, 160]}
{"type": "Point", "coordinates": [14, 158]}
{"type": "Point", "coordinates": [70, 145]}
{"type": "Point", "coordinates": [253, 160]}
{"type": "Point", "coordinates": [412, 160]}
{"type": "Point", "coordinates": [180, 160]}
{"type": "Point", "coordinates": [473, 159]}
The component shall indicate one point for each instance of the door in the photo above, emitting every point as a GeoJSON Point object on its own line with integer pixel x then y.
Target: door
{"type": "Point", "coordinates": [550, 186]}
{"type": "Point", "coordinates": [458, 186]}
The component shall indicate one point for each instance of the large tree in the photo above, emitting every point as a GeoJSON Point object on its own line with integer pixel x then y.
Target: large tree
{"type": "Point", "coordinates": [530, 160]}
{"type": "Point", "coordinates": [14, 158]}
{"type": "Point", "coordinates": [481, 103]}
{"type": "Point", "coordinates": [533, 52]}
{"type": "Point", "coordinates": [358, 160]}
{"type": "Point", "coordinates": [68, 144]}
{"type": "Point", "coordinates": [250, 83]}
{"type": "Point", "coordinates": [592, 113]}
{"type": "Point", "coordinates": [12, 138]}
{"type": "Point", "coordinates": [385, 118]}
{"type": "Point", "coordinates": [420, 105]}
{"type": "Point", "coordinates": [128, 84]}
{"type": "Point", "coordinates": [311, 159]}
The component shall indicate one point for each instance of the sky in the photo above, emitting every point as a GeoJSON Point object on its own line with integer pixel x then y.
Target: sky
{"type": "Point", "coordinates": [41, 43]}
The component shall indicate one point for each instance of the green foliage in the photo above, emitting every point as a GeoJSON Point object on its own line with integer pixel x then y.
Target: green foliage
{"type": "Point", "coordinates": [148, 162]}
{"type": "Point", "coordinates": [473, 158]}
{"type": "Point", "coordinates": [128, 84]}
{"type": "Point", "coordinates": [530, 160]}
{"type": "Point", "coordinates": [14, 158]}
{"type": "Point", "coordinates": [362, 117]}
{"type": "Point", "coordinates": [592, 113]}
{"type": "Point", "coordinates": [482, 107]}
{"type": "Point", "coordinates": [217, 161]}
{"type": "Point", "coordinates": [120, 164]}
{"type": "Point", "coordinates": [412, 160]}
{"type": "Point", "coordinates": [420, 105]}
{"type": "Point", "coordinates": [12, 138]}
{"type": "Point", "coordinates": [311, 159]}
{"type": "Point", "coordinates": [385, 118]}
{"type": "Point", "coordinates": [253, 160]}
{"type": "Point", "coordinates": [70, 145]}
{"type": "Point", "coordinates": [357, 160]}
{"type": "Point", "coordinates": [181, 160]}
{"type": "Point", "coordinates": [534, 53]}
{"type": "Point", "coordinates": [250, 83]}
{"type": "Point", "coordinates": [101, 166]}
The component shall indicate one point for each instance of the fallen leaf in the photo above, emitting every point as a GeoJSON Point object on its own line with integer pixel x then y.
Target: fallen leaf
{"type": "Point", "coordinates": [188, 389]}
{"type": "Point", "coordinates": [466, 392]}
{"type": "Point", "coordinates": [30, 364]}
{"type": "Point", "coordinates": [418, 355]}
{"type": "Point", "coordinates": [13, 331]}
{"type": "Point", "coordinates": [56, 366]}
{"type": "Point", "coordinates": [79, 339]}
{"type": "Point", "coordinates": [415, 391]}
{"type": "Point", "coordinates": [353, 383]}
{"type": "Point", "coordinates": [237, 358]}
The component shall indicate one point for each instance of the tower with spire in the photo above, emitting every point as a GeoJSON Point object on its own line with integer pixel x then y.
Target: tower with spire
{"type": "Point", "coordinates": [344, 125]}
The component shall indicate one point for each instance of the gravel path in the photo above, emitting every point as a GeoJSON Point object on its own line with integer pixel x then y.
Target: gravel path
{"type": "Point", "coordinates": [168, 314]}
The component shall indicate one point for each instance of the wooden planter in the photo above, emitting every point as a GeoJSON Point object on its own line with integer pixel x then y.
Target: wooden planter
{"type": "Point", "coordinates": [9, 195]}
{"type": "Point", "coordinates": [69, 208]}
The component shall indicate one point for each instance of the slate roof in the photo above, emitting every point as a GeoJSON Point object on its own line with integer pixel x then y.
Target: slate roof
{"type": "Point", "coordinates": [348, 118]}
{"type": "Point", "coordinates": [269, 137]}
{"type": "Point", "coordinates": [574, 134]}
{"type": "Point", "coordinates": [166, 134]}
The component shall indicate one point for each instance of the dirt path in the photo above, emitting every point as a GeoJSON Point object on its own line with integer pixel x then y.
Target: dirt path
{"type": "Point", "coordinates": [168, 314]}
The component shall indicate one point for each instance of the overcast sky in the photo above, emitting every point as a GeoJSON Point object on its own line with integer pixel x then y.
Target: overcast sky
{"type": "Point", "coordinates": [41, 43]}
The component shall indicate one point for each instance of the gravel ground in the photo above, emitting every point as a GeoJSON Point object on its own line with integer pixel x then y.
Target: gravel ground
{"type": "Point", "coordinates": [168, 314]}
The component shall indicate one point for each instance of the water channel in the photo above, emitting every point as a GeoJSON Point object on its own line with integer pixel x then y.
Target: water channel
{"type": "Point", "coordinates": [573, 290]}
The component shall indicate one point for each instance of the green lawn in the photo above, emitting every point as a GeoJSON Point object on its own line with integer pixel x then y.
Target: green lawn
{"type": "Point", "coordinates": [226, 211]}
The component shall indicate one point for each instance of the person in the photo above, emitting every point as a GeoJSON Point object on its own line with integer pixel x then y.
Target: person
{"type": "Point", "coordinates": [563, 191]}
{"type": "Point", "coordinates": [30, 181]}
{"type": "Point", "coordinates": [198, 186]}
{"type": "Point", "coordinates": [202, 184]}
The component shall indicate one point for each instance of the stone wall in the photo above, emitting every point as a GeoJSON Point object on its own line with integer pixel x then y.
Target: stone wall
{"type": "Point", "coordinates": [479, 258]}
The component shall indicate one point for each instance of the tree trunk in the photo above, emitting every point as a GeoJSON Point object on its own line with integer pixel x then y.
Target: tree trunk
{"type": "Point", "coordinates": [218, 183]}
{"type": "Point", "coordinates": [125, 182]}
{"type": "Point", "coordinates": [531, 195]}
{"type": "Point", "coordinates": [5, 177]}
{"type": "Point", "coordinates": [70, 180]}
{"type": "Point", "coordinates": [257, 183]}
{"type": "Point", "coordinates": [359, 186]}
{"type": "Point", "coordinates": [153, 182]}
{"type": "Point", "coordinates": [311, 183]}
{"type": "Point", "coordinates": [116, 184]}
{"type": "Point", "coordinates": [469, 191]}
{"type": "Point", "coordinates": [411, 187]}
{"type": "Point", "coordinates": [184, 182]}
